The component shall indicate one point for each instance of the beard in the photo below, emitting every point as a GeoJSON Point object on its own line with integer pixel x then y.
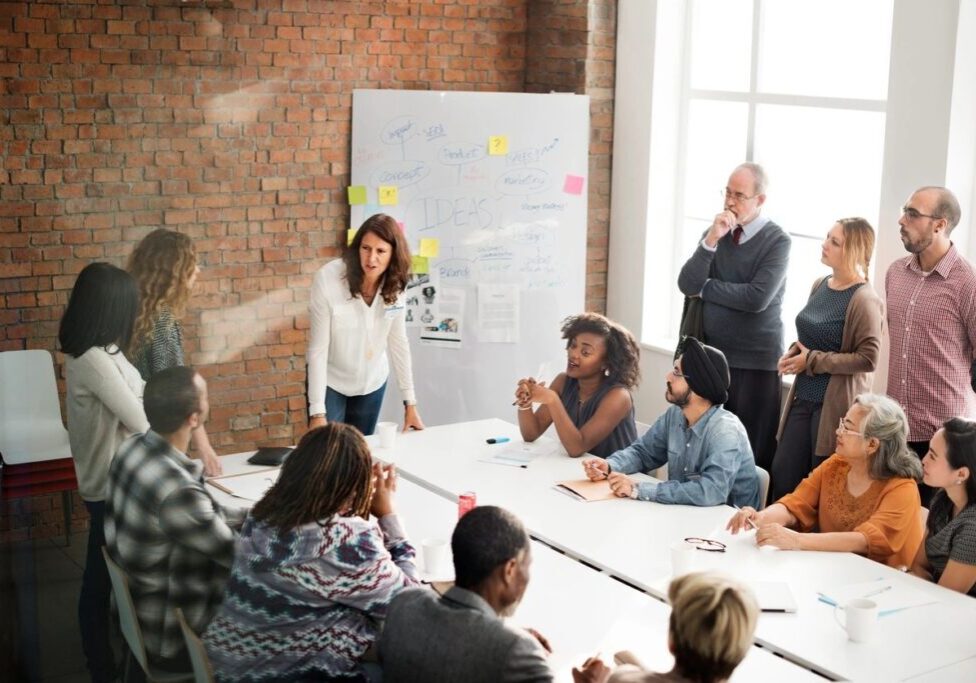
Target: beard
{"type": "Point", "coordinates": [680, 400]}
{"type": "Point", "coordinates": [918, 246]}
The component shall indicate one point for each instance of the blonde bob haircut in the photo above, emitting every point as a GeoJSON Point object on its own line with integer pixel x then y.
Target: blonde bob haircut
{"type": "Point", "coordinates": [858, 244]}
{"type": "Point", "coordinates": [712, 623]}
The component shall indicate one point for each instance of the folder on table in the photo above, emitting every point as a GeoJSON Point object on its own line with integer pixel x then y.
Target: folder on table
{"type": "Point", "coordinates": [586, 490]}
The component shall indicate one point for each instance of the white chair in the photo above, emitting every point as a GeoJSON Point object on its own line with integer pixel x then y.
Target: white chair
{"type": "Point", "coordinates": [662, 471]}
{"type": "Point", "coordinates": [34, 444]}
{"type": "Point", "coordinates": [131, 631]}
{"type": "Point", "coordinates": [202, 671]}
{"type": "Point", "coordinates": [763, 485]}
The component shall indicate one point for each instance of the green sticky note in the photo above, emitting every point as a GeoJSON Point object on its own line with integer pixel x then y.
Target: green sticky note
{"type": "Point", "coordinates": [388, 195]}
{"type": "Point", "coordinates": [356, 194]}
{"type": "Point", "coordinates": [430, 247]}
{"type": "Point", "coordinates": [419, 265]}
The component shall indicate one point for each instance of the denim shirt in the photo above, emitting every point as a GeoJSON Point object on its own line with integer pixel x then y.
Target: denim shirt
{"type": "Point", "coordinates": [709, 464]}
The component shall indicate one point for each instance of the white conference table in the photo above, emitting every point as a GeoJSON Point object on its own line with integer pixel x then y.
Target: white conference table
{"type": "Point", "coordinates": [631, 540]}
{"type": "Point", "coordinates": [621, 618]}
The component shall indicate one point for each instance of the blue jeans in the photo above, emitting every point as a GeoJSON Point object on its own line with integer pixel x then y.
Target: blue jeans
{"type": "Point", "coordinates": [93, 604]}
{"type": "Point", "coordinates": [361, 412]}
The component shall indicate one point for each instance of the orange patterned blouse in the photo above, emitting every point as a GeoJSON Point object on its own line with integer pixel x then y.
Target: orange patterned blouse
{"type": "Point", "coordinates": [888, 513]}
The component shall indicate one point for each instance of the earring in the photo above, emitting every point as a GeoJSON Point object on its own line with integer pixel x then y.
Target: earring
{"type": "Point", "coordinates": [958, 482]}
{"type": "Point", "coordinates": [606, 372]}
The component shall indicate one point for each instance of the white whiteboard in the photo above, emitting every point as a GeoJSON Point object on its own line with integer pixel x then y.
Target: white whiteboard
{"type": "Point", "coordinates": [500, 219]}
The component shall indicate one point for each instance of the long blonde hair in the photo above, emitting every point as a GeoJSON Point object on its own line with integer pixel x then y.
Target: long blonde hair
{"type": "Point", "coordinates": [162, 264]}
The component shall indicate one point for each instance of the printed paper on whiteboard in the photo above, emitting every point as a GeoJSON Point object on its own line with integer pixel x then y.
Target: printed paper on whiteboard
{"type": "Point", "coordinates": [498, 313]}
{"type": "Point", "coordinates": [445, 329]}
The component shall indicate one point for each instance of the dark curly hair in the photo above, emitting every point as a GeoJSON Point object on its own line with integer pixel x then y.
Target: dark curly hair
{"type": "Point", "coordinates": [397, 273]}
{"type": "Point", "coordinates": [623, 353]}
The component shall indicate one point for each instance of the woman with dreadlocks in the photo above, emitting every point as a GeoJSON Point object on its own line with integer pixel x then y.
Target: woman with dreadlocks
{"type": "Point", "coordinates": [313, 574]}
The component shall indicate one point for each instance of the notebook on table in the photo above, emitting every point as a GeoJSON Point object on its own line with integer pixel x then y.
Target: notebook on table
{"type": "Point", "coordinates": [586, 490]}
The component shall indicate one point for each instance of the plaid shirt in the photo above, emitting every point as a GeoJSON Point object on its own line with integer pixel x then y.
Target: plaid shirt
{"type": "Point", "coordinates": [932, 326]}
{"type": "Point", "coordinates": [169, 536]}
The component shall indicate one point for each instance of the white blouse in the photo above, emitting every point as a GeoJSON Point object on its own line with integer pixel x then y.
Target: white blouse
{"type": "Point", "coordinates": [347, 349]}
{"type": "Point", "coordinates": [104, 405]}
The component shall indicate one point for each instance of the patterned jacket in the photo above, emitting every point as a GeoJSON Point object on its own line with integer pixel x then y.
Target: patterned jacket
{"type": "Point", "coordinates": [305, 604]}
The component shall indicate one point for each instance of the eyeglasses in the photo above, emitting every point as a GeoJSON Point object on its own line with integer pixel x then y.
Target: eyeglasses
{"type": "Point", "coordinates": [677, 373]}
{"type": "Point", "coordinates": [737, 196]}
{"type": "Point", "coordinates": [842, 428]}
{"type": "Point", "coordinates": [914, 214]}
{"type": "Point", "coordinates": [707, 544]}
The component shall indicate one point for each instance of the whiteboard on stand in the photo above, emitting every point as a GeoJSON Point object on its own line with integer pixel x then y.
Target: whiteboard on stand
{"type": "Point", "coordinates": [496, 185]}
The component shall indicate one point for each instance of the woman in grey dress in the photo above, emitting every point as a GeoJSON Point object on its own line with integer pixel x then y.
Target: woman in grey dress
{"type": "Point", "coordinates": [590, 403]}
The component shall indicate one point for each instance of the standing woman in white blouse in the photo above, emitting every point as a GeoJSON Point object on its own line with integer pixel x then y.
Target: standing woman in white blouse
{"type": "Point", "coordinates": [357, 317]}
{"type": "Point", "coordinates": [104, 405]}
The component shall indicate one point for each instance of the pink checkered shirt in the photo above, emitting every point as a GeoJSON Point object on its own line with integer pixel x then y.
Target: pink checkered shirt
{"type": "Point", "coordinates": [932, 327]}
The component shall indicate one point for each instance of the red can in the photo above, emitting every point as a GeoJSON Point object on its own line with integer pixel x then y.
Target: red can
{"type": "Point", "coordinates": [466, 503]}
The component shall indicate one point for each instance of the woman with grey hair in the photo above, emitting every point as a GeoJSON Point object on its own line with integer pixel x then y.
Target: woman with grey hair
{"type": "Point", "coordinates": [862, 499]}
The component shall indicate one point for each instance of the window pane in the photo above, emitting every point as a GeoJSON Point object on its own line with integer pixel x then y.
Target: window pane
{"type": "Point", "coordinates": [716, 143]}
{"type": "Point", "coordinates": [721, 44]}
{"type": "Point", "coordinates": [832, 48]}
{"type": "Point", "coordinates": [805, 267]}
{"type": "Point", "coordinates": [823, 164]}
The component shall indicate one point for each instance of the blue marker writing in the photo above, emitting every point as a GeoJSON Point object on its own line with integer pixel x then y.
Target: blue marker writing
{"type": "Point", "coordinates": [499, 439]}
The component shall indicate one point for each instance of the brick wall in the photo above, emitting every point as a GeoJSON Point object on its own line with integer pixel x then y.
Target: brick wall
{"type": "Point", "coordinates": [230, 121]}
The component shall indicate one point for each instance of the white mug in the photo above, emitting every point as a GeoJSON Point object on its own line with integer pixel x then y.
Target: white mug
{"type": "Point", "coordinates": [387, 432]}
{"type": "Point", "coordinates": [682, 558]}
{"type": "Point", "coordinates": [436, 552]}
{"type": "Point", "coordinates": [860, 619]}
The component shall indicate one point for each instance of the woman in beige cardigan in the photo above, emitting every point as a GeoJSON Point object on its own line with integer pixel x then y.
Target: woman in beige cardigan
{"type": "Point", "coordinates": [837, 347]}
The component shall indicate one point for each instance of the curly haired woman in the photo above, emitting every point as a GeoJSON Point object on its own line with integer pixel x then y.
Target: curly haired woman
{"type": "Point", "coordinates": [164, 265]}
{"type": "Point", "coordinates": [590, 404]}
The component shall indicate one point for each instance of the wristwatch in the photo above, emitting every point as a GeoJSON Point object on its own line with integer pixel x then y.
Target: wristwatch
{"type": "Point", "coordinates": [633, 491]}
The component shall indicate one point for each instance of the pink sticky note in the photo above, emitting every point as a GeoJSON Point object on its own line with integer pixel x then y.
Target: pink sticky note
{"type": "Point", "coordinates": [573, 184]}
{"type": "Point", "coordinates": [400, 225]}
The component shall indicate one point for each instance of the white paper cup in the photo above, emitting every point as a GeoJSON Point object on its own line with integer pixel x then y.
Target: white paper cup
{"type": "Point", "coordinates": [860, 619]}
{"type": "Point", "coordinates": [682, 558]}
{"type": "Point", "coordinates": [387, 432]}
{"type": "Point", "coordinates": [436, 551]}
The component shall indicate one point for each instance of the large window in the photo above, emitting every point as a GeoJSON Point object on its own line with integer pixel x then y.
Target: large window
{"type": "Point", "coordinates": [799, 87]}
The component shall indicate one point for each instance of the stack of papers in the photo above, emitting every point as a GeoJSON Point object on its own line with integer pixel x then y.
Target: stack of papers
{"type": "Point", "coordinates": [518, 454]}
{"type": "Point", "coordinates": [250, 486]}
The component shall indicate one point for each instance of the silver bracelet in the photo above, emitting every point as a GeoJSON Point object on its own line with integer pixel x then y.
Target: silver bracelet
{"type": "Point", "coordinates": [528, 407]}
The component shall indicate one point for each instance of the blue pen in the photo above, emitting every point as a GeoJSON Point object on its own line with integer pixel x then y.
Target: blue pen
{"type": "Point", "coordinates": [499, 439]}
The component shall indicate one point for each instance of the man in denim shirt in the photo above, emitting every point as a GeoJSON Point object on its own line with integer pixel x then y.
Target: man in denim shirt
{"type": "Point", "coordinates": [704, 446]}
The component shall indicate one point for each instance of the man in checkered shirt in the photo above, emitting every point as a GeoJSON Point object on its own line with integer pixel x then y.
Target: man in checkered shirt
{"type": "Point", "coordinates": [170, 537]}
{"type": "Point", "coordinates": [931, 298]}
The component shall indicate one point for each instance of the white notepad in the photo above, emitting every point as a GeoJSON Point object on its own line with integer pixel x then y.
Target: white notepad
{"type": "Point", "coordinates": [773, 596]}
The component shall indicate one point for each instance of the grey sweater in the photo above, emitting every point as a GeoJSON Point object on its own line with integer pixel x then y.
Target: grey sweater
{"type": "Point", "coordinates": [742, 287]}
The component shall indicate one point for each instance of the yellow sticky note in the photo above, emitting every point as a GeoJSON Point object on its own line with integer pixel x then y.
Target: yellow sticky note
{"type": "Point", "coordinates": [498, 145]}
{"type": "Point", "coordinates": [419, 265]}
{"type": "Point", "coordinates": [388, 195]}
{"type": "Point", "coordinates": [430, 247]}
{"type": "Point", "coordinates": [356, 194]}
{"type": "Point", "coordinates": [350, 236]}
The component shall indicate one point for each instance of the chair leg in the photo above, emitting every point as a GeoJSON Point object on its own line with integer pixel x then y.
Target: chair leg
{"type": "Point", "coordinates": [66, 506]}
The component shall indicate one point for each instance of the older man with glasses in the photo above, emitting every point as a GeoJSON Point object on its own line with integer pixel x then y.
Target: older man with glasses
{"type": "Point", "coordinates": [931, 300]}
{"type": "Point", "coordinates": [739, 271]}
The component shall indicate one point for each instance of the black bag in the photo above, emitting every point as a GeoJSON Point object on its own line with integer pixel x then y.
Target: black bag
{"type": "Point", "coordinates": [692, 321]}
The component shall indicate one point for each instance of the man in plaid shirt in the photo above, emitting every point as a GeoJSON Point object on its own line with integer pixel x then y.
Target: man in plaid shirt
{"type": "Point", "coordinates": [170, 537]}
{"type": "Point", "coordinates": [931, 298]}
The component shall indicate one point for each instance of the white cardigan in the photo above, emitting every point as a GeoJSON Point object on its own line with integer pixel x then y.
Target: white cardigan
{"type": "Point", "coordinates": [104, 404]}
{"type": "Point", "coordinates": [347, 348]}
